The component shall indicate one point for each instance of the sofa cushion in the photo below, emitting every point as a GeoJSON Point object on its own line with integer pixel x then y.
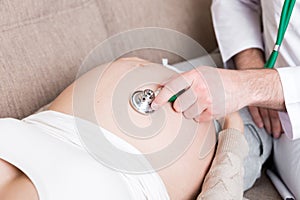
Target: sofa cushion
{"type": "Point", "coordinates": [191, 17]}
{"type": "Point", "coordinates": [42, 44]}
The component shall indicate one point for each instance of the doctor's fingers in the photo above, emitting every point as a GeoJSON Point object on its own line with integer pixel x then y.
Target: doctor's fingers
{"type": "Point", "coordinates": [201, 101]}
{"type": "Point", "coordinates": [184, 101]}
{"type": "Point", "coordinates": [254, 111]}
{"type": "Point", "coordinates": [266, 119]}
{"type": "Point", "coordinates": [195, 110]}
{"type": "Point", "coordinates": [172, 87]}
{"type": "Point", "coordinates": [275, 123]}
{"type": "Point", "coordinates": [205, 116]}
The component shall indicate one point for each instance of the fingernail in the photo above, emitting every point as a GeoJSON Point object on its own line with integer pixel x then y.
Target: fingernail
{"type": "Point", "coordinates": [154, 106]}
{"type": "Point", "coordinates": [277, 134]}
{"type": "Point", "coordinates": [260, 125]}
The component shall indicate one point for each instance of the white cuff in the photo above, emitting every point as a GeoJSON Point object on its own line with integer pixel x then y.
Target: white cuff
{"type": "Point", "coordinates": [290, 80]}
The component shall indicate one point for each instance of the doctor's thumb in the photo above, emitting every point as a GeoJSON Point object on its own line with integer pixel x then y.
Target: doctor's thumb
{"type": "Point", "coordinates": [158, 102]}
{"type": "Point", "coordinates": [161, 99]}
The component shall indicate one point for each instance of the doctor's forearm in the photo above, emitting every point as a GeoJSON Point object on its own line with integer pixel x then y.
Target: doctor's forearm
{"type": "Point", "coordinates": [249, 59]}
{"type": "Point", "coordinates": [262, 88]}
{"type": "Point", "coordinates": [266, 84]}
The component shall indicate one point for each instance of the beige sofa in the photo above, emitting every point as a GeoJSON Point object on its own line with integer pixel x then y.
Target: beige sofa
{"type": "Point", "coordinates": [42, 44]}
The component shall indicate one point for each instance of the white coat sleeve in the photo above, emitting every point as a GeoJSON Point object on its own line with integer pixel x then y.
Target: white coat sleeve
{"type": "Point", "coordinates": [237, 25]}
{"type": "Point", "coordinates": [290, 77]}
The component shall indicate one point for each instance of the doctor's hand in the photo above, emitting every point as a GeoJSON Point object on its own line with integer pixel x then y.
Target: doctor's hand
{"type": "Point", "coordinates": [263, 118]}
{"type": "Point", "coordinates": [268, 119]}
{"type": "Point", "coordinates": [205, 97]}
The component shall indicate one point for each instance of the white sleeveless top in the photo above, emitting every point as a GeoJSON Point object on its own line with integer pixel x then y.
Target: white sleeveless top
{"type": "Point", "coordinates": [46, 148]}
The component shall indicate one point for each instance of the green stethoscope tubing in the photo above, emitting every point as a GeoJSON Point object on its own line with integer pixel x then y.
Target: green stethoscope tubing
{"type": "Point", "coordinates": [286, 13]}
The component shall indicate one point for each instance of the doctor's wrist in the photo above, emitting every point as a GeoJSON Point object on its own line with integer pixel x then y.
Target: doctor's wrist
{"type": "Point", "coordinates": [249, 59]}
{"type": "Point", "coordinates": [263, 88]}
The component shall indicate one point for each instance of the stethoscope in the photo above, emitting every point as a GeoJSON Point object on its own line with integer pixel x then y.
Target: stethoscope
{"type": "Point", "coordinates": [286, 13]}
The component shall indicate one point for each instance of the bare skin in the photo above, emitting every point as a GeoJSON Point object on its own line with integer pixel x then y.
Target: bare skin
{"type": "Point", "coordinates": [263, 117]}
{"type": "Point", "coordinates": [179, 186]}
{"type": "Point", "coordinates": [14, 184]}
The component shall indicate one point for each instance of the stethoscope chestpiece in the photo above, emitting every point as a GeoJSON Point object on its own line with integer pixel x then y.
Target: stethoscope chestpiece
{"type": "Point", "coordinates": [141, 101]}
